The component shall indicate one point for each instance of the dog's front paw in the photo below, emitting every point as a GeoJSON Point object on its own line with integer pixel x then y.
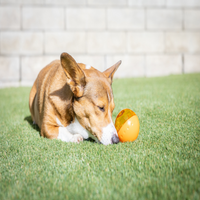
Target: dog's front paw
{"type": "Point", "coordinates": [77, 138]}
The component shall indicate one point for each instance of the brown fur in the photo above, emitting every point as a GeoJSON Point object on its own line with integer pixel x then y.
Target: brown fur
{"type": "Point", "coordinates": [65, 89]}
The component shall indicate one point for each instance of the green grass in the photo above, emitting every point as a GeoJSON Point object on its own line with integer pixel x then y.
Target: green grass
{"type": "Point", "coordinates": [163, 163]}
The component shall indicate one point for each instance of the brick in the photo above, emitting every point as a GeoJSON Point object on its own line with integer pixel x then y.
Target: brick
{"type": "Point", "coordinates": [191, 63]}
{"type": "Point", "coordinates": [184, 42]}
{"type": "Point", "coordinates": [125, 18]}
{"type": "Point", "coordinates": [162, 65]}
{"type": "Point", "coordinates": [106, 42]}
{"type": "Point", "coordinates": [145, 42]}
{"type": "Point", "coordinates": [164, 19]}
{"type": "Point", "coordinates": [66, 2]}
{"type": "Point", "coordinates": [21, 43]}
{"type": "Point", "coordinates": [191, 3]}
{"type": "Point", "coordinates": [87, 18]}
{"type": "Point", "coordinates": [9, 18]}
{"type": "Point", "coordinates": [43, 18]}
{"type": "Point", "coordinates": [58, 42]}
{"type": "Point", "coordinates": [31, 66]}
{"type": "Point", "coordinates": [22, 2]}
{"type": "Point", "coordinates": [177, 3]}
{"type": "Point", "coordinates": [107, 2]}
{"type": "Point", "coordinates": [192, 19]}
{"type": "Point", "coordinates": [183, 3]}
{"type": "Point", "coordinates": [146, 3]}
{"type": "Point", "coordinates": [95, 61]}
{"type": "Point", "coordinates": [10, 69]}
{"type": "Point", "coordinates": [132, 66]}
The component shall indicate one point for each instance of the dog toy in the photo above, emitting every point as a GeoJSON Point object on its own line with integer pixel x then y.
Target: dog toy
{"type": "Point", "coordinates": [127, 125]}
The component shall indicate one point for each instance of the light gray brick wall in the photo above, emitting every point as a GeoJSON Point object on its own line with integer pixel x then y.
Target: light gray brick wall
{"type": "Point", "coordinates": [9, 18]}
{"type": "Point", "coordinates": [57, 42]}
{"type": "Point", "coordinates": [182, 42]}
{"type": "Point", "coordinates": [146, 3]}
{"type": "Point", "coordinates": [159, 65]}
{"type": "Point", "coordinates": [192, 19]}
{"type": "Point", "coordinates": [146, 42]}
{"type": "Point", "coordinates": [192, 63]}
{"type": "Point", "coordinates": [164, 19]}
{"type": "Point", "coordinates": [42, 18]}
{"type": "Point", "coordinates": [125, 19]}
{"type": "Point", "coordinates": [21, 43]}
{"type": "Point", "coordinates": [85, 19]}
{"type": "Point", "coordinates": [183, 3]}
{"type": "Point", "coordinates": [151, 37]}
{"type": "Point", "coordinates": [12, 66]}
{"type": "Point", "coordinates": [106, 42]}
{"type": "Point", "coordinates": [134, 65]}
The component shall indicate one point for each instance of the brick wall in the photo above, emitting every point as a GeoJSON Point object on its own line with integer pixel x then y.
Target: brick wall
{"type": "Point", "coordinates": [151, 37]}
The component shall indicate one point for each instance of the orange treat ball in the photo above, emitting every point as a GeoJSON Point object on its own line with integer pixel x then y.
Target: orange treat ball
{"type": "Point", "coordinates": [127, 125]}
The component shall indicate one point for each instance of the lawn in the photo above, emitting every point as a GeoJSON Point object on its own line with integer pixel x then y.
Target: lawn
{"type": "Point", "coordinates": [163, 163]}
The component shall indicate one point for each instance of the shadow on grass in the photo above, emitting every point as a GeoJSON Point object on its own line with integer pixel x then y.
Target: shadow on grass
{"type": "Point", "coordinates": [35, 126]}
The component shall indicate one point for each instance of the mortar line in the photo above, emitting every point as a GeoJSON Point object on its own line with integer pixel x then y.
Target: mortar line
{"type": "Point", "coordinates": [183, 18]}
{"type": "Point", "coordinates": [0, 43]}
{"type": "Point", "coordinates": [20, 69]}
{"type": "Point", "coordinates": [145, 19]}
{"type": "Point", "coordinates": [145, 68]}
{"type": "Point", "coordinates": [105, 62]}
{"type": "Point", "coordinates": [86, 43]}
{"type": "Point", "coordinates": [65, 18]}
{"type": "Point", "coordinates": [106, 19]}
{"type": "Point", "coordinates": [43, 45]}
{"type": "Point", "coordinates": [21, 18]}
{"type": "Point", "coordinates": [183, 63]}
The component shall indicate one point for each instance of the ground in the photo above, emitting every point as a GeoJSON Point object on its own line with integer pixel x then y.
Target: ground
{"type": "Point", "coordinates": [163, 163]}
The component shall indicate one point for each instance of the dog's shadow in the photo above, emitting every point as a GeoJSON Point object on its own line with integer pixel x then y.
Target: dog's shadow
{"type": "Point", "coordinates": [36, 127]}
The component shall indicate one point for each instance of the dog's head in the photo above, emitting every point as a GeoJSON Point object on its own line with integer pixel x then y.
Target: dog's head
{"type": "Point", "coordinates": [93, 98]}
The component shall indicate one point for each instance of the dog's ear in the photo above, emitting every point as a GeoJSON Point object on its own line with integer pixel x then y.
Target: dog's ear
{"type": "Point", "coordinates": [109, 73]}
{"type": "Point", "coordinates": [75, 75]}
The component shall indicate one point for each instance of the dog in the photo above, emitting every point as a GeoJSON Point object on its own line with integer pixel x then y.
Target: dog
{"type": "Point", "coordinates": [72, 101]}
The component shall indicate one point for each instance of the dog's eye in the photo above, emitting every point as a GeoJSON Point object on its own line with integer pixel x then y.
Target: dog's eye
{"type": "Point", "coordinates": [101, 108]}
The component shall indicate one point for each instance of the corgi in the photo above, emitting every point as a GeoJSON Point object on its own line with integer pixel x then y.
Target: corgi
{"type": "Point", "coordinates": [72, 101]}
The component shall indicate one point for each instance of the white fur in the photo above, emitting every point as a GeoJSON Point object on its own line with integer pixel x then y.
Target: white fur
{"type": "Point", "coordinates": [108, 132]}
{"type": "Point", "coordinates": [76, 128]}
{"type": "Point", "coordinates": [64, 134]}
{"type": "Point", "coordinates": [108, 97]}
{"type": "Point", "coordinates": [87, 66]}
{"type": "Point", "coordinates": [70, 132]}
{"type": "Point", "coordinates": [58, 122]}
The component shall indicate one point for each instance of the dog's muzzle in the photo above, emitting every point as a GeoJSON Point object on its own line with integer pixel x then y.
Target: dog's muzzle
{"type": "Point", "coordinates": [109, 135]}
{"type": "Point", "coordinates": [115, 139]}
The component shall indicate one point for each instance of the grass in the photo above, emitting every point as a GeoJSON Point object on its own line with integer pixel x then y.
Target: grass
{"type": "Point", "coordinates": [163, 163]}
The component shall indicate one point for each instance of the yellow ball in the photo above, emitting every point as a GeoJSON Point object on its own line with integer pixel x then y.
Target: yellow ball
{"type": "Point", "coordinates": [127, 125]}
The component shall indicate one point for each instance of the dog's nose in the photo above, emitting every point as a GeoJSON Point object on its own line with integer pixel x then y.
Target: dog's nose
{"type": "Point", "coordinates": [115, 139]}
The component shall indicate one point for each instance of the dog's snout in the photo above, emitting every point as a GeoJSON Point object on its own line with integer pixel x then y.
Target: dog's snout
{"type": "Point", "coordinates": [115, 139]}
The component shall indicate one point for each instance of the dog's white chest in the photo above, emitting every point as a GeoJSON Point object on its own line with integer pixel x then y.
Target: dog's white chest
{"type": "Point", "coordinates": [75, 128]}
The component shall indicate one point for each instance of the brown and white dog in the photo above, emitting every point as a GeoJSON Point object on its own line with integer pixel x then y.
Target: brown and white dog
{"type": "Point", "coordinates": [73, 101]}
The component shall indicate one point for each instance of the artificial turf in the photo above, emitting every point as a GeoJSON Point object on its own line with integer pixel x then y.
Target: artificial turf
{"type": "Point", "coordinates": [163, 163]}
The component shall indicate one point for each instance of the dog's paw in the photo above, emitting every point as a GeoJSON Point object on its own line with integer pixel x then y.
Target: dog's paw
{"type": "Point", "coordinates": [77, 138]}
